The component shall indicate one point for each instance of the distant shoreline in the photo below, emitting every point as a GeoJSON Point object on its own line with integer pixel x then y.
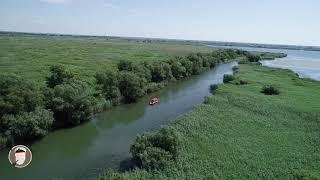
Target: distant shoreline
{"type": "Point", "coordinates": [194, 42]}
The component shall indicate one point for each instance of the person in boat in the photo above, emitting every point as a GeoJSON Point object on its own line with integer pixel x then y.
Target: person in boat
{"type": "Point", "coordinates": [153, 101]}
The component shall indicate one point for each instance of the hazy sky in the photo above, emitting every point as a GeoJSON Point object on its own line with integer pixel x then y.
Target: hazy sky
{"type": "Point", "coordinates": [261, 21]}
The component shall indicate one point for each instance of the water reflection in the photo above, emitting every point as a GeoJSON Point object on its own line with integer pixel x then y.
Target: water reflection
{"type": "Point", "coordinates": [86, 150]}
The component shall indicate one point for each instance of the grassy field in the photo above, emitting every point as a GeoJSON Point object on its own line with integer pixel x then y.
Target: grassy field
{"type": "Point", "coordinates": [31, 56]}
{"type": "Point", "coordinates": [240, 133]}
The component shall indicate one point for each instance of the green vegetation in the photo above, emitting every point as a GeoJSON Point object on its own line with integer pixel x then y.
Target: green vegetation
{"type": "Point", "coordinates": [72, 102]}
{"type": "Point", "coordinates": [58, 80]}
{"type": "Point", "coordinates": [152, 151]}
{"type": "Point", "coordinates": [130, 81]}
{"type": "Point", "coordinates": [272, 56]}
{"type": "Point", "coordinates": [32, 56]}
{"type": "Point", "coordinates": [131, 86]}
{"type": "Point", "coordinates": [58, 76]}
{"type": "Point", "coordinates": [213, 88]}
{"type": "Point", "coordinates": [270, 90]}
{"type": "Point", "coordinates": [240, 133]}
{"type": "Point", "coordinates": [27, 126]}
{"type": "Point", "coordinates": [22, 116]}
{"type": "Point", "coordinates": [253, 57]}
{"type": "Point", "coordinates": [227, 78]}
{"type": "Point", "coordinates": [108, 85]}
{"type": "Point", "coordinates": [240, 82]}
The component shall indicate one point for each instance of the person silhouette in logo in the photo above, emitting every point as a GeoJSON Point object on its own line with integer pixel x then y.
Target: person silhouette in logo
{"type": "Point", "coordinates": [20, 156]}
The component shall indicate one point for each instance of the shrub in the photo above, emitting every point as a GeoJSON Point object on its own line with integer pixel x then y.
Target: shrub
{"type": "Point", "coordinates": [213, 88]}
{"type": "Point", "coordinates": [187, 65]}
{"type": "Point", "coordinates": [58, 75]}
{"type": "Point", "coordinates": [102, 105]}
{"type": "Point", "coordinates": [178, 71]}
{"type": "Point", "coordinates": [235, 68]}
{"type": "Point", "coordinates": [125, 65]}
{"type": "Point", "coordinates": [153, 151]}
{"type": "Point", "coordinates": [28, 125]}
{"type": "Point", "coordinates": [253, 57]}
{"type": "Point", "coordinates": [131, 86]}
{"type": "Point", "coordinates": [108, 84]}
{"type": "Point", "coordinates": [111, 174]}
{"type": "Point", "coordinates": [161, 72]}
{"type": "Point", "coordinates": [227, 78]}
{"type": "Point", "coordinates": [206, 100]}
{"type": "Point", "coordinates": [270, 90]}
{"type": "Point", "coordinates": [240, 82]}
{"type": "Point", "coordinates": [153, 87]}
{"type": "Point", "coordinates": [197, 63]}
{"type": "Point", "coordinates": [18, 95]}
{"type": "Point", "coordinates": [72, 102]}
{"type": "Point", "coordinates": [143, 70]}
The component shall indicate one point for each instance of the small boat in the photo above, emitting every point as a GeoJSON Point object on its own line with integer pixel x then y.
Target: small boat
{"type": "Point", "coordinates": [154, 101]}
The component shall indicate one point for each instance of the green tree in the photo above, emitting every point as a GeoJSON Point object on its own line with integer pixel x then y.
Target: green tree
{"type": "Point", "coordinates": [178, 70]}
{"type": "Point", "coordinates": [152, 151]}
{"type": "Point", "coordinates": [108, 84]}
{"type": "Point", "coordinates": [188, 65]}
{"type": "Point", "coordinates": [205, 60]}
{"type": "Point", "coordinates": [167, 71]}
{"type": "Point", "coordinates": [131, 86]}
{"type": "Point", "coordinates": [161, 72]}
{"type": "Point", "coordinates": [253, 57]}
{"type": "Point", "coordinates": [125, 65]}
{"type": "Point", "coordinates": [157, 72]}
{"type": "Point", "coordinates": [228, 77]}
{"type": "Point", "coordinates": [196, 63]}
{"type": "Point", "coordinates": [143, 70]}
{"type": "Point", "coordinates": [58, 75]}
{"type": "Point", "coordinates": [18, 95]}
{"type": "Point", "coordinates": [72, 102]}
{"type": "Point", "coordinates": [231, 53]}
{"type": "Point", "coordinates": [28, 125]}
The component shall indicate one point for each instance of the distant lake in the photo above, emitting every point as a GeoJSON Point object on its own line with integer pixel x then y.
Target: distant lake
{"type": "Point", "coordinates": [305, 63]}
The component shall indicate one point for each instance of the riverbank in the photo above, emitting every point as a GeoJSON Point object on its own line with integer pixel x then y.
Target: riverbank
{"type": "Point", "coordinates": [68, 100]}
{"type": "Point", "coordinates": [65, 97]}
{"type": "Point", "coordinates": [104, 142]}
{"type": "Point", "coordinates": [241, 133]}
{"type": "Point", "coordinates": [88, 76]}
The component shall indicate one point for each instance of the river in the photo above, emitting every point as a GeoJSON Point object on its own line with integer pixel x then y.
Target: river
{"type": "Point", "coordinates": [104, 142]}
{"type": "Point", "coordinates": [305, 63]}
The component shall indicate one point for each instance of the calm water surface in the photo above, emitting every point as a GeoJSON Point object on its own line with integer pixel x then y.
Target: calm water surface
{"type": "Point", "coordinates": [305, 63]}
{"type": "Point", "coordinates": [84, 151]}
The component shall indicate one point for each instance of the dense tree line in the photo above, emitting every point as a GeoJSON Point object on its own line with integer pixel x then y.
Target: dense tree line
{"type": "Point", "coordinates": [28, 112]}
{"type": "Point", "coordinates": [22, 113]}
{"type": "Point", "coordinates": [130, 81]}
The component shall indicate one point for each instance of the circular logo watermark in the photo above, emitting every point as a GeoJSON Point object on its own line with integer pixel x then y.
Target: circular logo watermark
{"type": "Point", "coordinates": [20, 156]}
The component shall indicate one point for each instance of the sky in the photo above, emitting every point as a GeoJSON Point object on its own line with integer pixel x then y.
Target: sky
{"type": "Point", "coordinates": [295, 22]}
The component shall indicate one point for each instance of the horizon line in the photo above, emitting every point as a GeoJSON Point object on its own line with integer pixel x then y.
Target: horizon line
{"type": "Point", "coordinates": [157, 38]}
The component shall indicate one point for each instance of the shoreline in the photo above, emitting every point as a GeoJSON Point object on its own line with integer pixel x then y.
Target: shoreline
{"type": "Point", "coordinates": [9, 141]}
{"type": "Point", "coordinates": [180, 122]}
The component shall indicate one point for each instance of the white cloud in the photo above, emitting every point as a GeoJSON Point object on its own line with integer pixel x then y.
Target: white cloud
{"type": "Point", "coordinates": [54, 1]}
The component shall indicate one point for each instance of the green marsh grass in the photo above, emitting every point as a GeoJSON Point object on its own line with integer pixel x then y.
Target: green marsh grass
{"type": "Point", "coordinates": [240, 133]}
